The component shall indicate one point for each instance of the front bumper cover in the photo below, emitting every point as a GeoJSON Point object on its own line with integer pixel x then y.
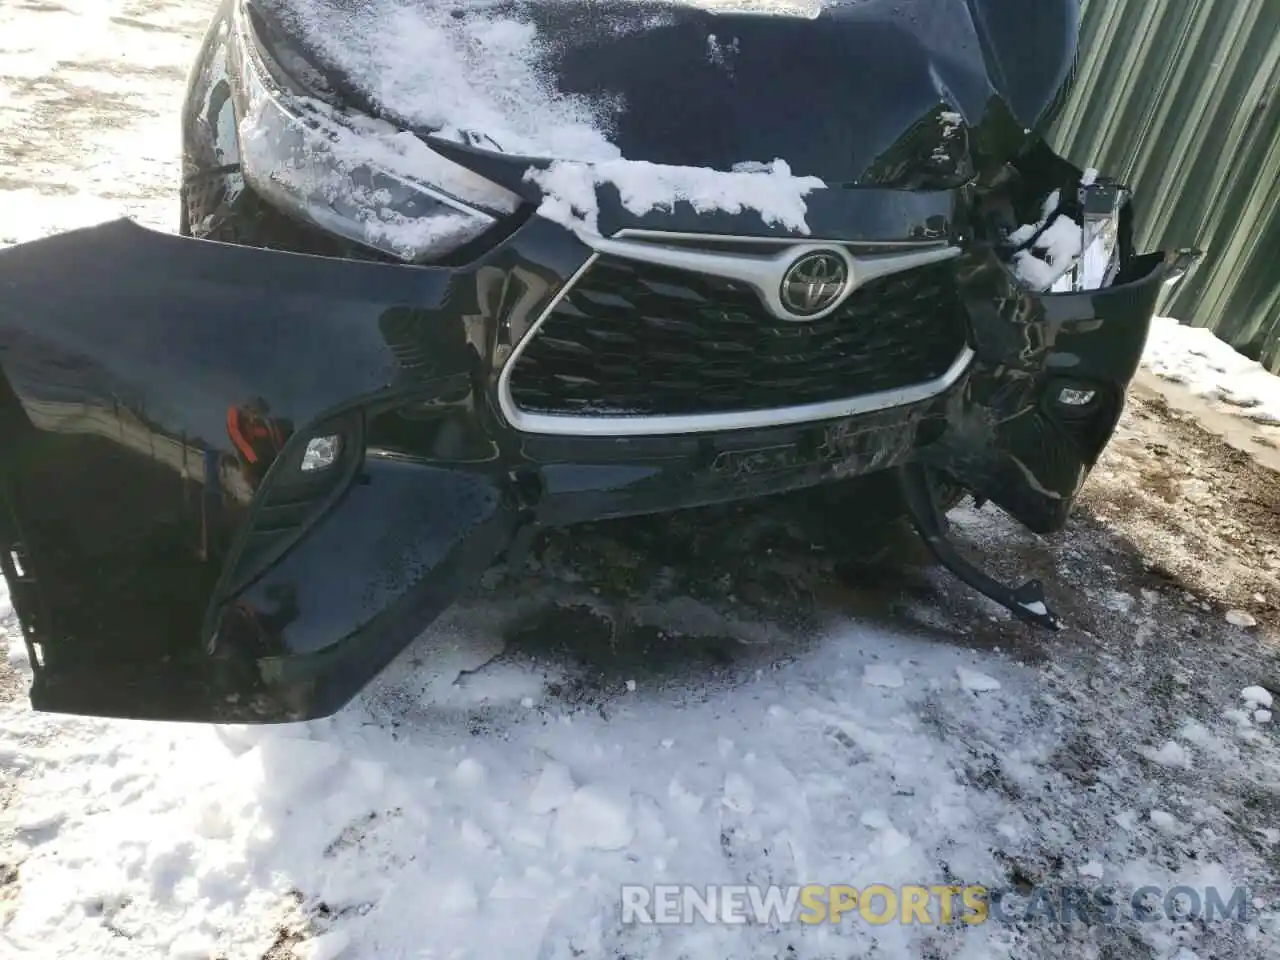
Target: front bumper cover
{"type": "Point", "coordinates": [168, 558]}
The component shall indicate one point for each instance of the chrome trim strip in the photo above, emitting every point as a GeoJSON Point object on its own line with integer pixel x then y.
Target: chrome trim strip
{"type": "Point", "coordinates": [764, 271]}
{"type": "Point", "coordinates": [726, 265]}
{"type": "Point", "coordinates": [546, 312]}
{"type": "Point", "coordinates": [586, 426]}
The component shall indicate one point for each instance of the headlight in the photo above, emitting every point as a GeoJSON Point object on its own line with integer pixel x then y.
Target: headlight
{"type": "Point", "coordinates": [353, 175]}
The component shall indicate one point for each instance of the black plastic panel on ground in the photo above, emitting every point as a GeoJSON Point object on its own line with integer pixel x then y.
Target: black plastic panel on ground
{"type": "Point", "coordinates": [633, 339]}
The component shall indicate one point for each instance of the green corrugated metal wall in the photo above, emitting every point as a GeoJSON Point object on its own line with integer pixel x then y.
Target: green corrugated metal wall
{"type": "Point", "coordinates": [1181, 99]}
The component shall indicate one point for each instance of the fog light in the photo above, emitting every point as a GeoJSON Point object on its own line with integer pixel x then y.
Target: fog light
{"type": "Point", "coordinates": [1073, 397]}
{"type": "Point", "coordinates": [321, 453]}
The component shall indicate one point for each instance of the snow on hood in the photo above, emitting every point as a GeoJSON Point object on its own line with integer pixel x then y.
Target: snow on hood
{"type": "Point", "coordinates": [453, 66]}
{"type": "Point", "coordinates": [570, 198]}
{"type": "Point", "coordinates": [690, 86]}
{"type": "Point", "coordinates": [465, 68]}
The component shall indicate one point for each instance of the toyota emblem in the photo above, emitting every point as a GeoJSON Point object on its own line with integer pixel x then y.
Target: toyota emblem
{"type": "Point", "coordinates": [814, 283]}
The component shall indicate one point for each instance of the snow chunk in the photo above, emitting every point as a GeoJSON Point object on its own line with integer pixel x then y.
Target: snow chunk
{"type": "Point", "coordinates": [17, 652]}
{"type": "Point", "coordinates": [469, 773]}
{"type": "Point", "coordinates": [882, 675]}
{"type": "Point", "coordinates": [1258, 696]}
{"type": "Point", "coordinates": [293, 767]}
{"type": "Point", "coordinates": [553, 790]}
{"type": "Point", "coordinates": [1170, 755]}
{"type": "Point", "coordinates": [193, 945]}
{"type": "Point", "coordinates": [1197, 733]}
{"type": "Point", "coordinates": [1059, 245]}
{"type": "Point", "coordinates": [1241, 618]}
{"type": "Point", "coordinates": [1262, 716]}
{"type": "Point", "coordinates": [1164, 821]}
{"type": "Point", "coordinates": [327, 946]}
{"type": "Point", "coordinates": [682, 799]}
{"type": "Point", "coordinates": [1093, 870]}
{"type": "Point", "coordinates": [569, 190]}
{"type": "Point", "coordinates": [1238, 717]}
{"type": "Point", "coordinates": [738, 794]}
{"type": "Point", "coordinates": [458, 897]}
{"type": "Point", "coordinates": [876, 820]}
{"type": "Point", "coordinates": [976, 682]}
{"type": "Point", "coordinates": [595, 818]}
{"type": "Point", "coordinates": [890, 843]}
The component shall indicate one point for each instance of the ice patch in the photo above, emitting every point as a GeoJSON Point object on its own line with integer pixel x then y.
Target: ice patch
{"type": "Point", "coordinates": [976, 682]}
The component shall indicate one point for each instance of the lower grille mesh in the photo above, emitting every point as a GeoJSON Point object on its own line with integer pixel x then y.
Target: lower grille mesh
{"type": "Point", "coordinates": [633, 339]}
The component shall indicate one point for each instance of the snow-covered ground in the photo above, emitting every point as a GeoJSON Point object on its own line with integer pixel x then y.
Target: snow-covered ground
{"type": "Point", "coordinates": [489, 817]}
{"type": "Point", "coordinates": [1209, 368]}
{"type": "Point", "coordinates": [559, 737]}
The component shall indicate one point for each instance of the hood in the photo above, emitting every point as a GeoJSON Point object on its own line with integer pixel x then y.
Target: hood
{"type": "Point", "coordinates": [901, 93]}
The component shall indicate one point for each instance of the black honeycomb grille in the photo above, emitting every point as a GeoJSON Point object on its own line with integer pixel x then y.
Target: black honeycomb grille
{"type": "Point", "coordinates": [632, 339]}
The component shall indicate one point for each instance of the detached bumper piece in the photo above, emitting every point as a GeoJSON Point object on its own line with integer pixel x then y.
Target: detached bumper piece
{"type": "Point", "coordinates": [225, 495]}
{"type": "Point", "coordinates": [920, 493]}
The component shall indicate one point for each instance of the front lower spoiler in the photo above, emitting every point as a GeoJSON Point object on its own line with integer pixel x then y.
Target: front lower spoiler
{"type": "Point", "coordinates": [166, 555]}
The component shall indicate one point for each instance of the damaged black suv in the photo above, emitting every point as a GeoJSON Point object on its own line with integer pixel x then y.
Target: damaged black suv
{"type": "Point", "coordinates": [429, 297]}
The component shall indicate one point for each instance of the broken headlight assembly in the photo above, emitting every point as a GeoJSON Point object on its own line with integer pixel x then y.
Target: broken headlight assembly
{"type": "Point", "coordinates": [348, 173]}
{"type": "Point", "coordinates": [1076, 244]}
